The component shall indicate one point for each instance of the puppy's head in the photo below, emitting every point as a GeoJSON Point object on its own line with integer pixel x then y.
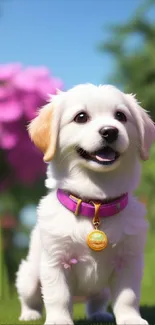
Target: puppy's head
{"type": "Point", "coordinates": [94, 127]}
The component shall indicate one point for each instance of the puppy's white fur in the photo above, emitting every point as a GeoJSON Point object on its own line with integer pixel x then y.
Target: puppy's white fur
{"type": "Point", "coordinates": [59, 235]}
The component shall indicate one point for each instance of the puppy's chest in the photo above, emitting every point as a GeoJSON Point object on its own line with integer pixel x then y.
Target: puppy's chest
{"type": "Point", "coordinates": [87, 270]}
{"type": "Point", "coordinates": [67, 239]}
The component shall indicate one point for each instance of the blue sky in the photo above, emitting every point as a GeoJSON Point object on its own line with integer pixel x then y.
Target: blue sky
{"type": "Point", "coordinates": [62, 35]}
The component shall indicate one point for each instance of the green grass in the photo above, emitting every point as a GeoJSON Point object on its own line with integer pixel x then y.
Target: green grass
{"type": "Point", "coordinates": [148, 283]}
{"type": "Point", "coordinates": [10, 310]}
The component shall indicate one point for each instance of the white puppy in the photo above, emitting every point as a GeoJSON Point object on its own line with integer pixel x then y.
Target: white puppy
{"type": "Point", "coordinates": [93, 139]}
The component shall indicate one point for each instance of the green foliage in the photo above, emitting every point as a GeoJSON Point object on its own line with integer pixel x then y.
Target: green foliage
{"type": "Point", "coordinates": [135, 66]}
{"type": "Point", "coordinates": [146, 192]}
{"type": "Point", "coordinates": [147, 187]}
{"type": "Point", "coordinates": [4, 283]}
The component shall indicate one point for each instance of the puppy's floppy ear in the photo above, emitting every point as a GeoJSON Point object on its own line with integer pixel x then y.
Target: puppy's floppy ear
{"type": "Point", "coordinates": [43, 131]}
{"type": "Point", "coordinates": [145, 126]}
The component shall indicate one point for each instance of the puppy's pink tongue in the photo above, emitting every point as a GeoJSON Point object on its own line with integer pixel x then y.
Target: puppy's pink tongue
{"type": "Point", "coordinates": [106, 156]}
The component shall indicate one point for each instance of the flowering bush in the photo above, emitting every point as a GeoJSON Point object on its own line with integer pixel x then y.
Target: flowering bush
{"type": "Point", "coordinates": [22, 92]}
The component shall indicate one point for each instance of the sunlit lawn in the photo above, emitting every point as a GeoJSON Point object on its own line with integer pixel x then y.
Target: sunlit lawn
{"type": "Point", "coordinates": [9, 313]}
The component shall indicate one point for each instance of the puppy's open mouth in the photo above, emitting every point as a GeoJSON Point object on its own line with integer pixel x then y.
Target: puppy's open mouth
{"type": "Point", "coordinates": [104, 156]}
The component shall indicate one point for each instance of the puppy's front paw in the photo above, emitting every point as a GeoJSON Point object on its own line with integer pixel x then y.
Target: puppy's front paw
{"type": "Point", "coordinates": [30, 314]}
{"type": "Point", "coordinates": [129, 320]}
{"type": "Point", "coordinates": [59, 320]}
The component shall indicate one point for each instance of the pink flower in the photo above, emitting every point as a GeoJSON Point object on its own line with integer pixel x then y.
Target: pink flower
{"type": "Point", "coordinates": [9, 71]}
{"type": "Point", "coordinates": [35, 84]}
{"type": "Point", "coordinates": [26, 162]}
{"type": "Point", "coordinates": [7, 139]}
{"type": "Point", "coordinates": [7, 74]}
{"type": "Point", "coordinates": [22, 93]}
{"type": "Point", "coordinates": [11, 133]}
{"type": "Point", "coordinates": [10, 108]}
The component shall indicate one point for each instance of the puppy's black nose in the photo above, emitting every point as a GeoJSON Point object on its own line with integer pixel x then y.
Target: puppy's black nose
{"type": "Point", "coordinates": [109, 133]}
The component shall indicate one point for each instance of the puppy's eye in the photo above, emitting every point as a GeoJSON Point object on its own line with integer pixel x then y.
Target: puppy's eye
{"type": "Point", "coordinates": [82, 117]}
{"type": "Point", "coordinates": [120, 116]}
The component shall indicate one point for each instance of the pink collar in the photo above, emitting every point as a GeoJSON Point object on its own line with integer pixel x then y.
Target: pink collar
{"type": "Point", "coordinates": [88, 209]}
